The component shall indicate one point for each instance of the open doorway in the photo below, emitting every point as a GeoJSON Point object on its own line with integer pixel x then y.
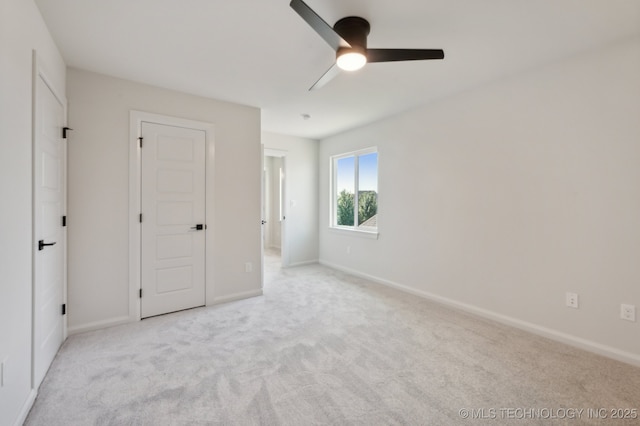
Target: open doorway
{"type": "Point", "coordinates": [274, 209]}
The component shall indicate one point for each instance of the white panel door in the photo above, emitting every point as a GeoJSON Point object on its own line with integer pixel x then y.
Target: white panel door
{"type": "Point", "coordinates": [49, 248]}
{"type": "Point", "coordinates": [173, 219]}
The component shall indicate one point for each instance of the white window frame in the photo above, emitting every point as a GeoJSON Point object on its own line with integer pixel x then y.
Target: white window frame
{"type": "Point", "coordinates": [333, 221]}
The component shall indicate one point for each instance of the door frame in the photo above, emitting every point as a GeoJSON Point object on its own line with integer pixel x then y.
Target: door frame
{"type": "Point", "coordinates": [284, 240]}
{"type": "Point", "coordinates": [39, 71]}
{"type": "Point", "coordinates": [136, 118]}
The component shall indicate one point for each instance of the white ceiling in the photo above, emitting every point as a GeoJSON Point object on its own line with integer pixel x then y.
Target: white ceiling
{"type": "Point", "coordinates": [261, 53]}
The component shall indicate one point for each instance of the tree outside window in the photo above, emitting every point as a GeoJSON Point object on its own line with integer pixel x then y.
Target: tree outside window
{"type": "Point", "coordinates": [355, 190]}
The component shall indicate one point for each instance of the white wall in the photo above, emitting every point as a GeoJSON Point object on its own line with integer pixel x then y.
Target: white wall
{"type": "Point", "coordinates": [301, 164]}
{"type": "Point", "coordinates": [98, 193]}
{"type": "Point", "coordinates": [501, 199]}
{"type": "Point", "coordinates": [21, 30]}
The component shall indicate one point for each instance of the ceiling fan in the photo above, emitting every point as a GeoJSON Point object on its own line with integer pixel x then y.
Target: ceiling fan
{"type": "Point", "coordinates": [348, 37]}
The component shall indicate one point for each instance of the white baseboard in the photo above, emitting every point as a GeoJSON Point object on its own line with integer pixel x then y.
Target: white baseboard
{"type": "Point", "coordinates": [26, 407]}
{"type": "Point", "coordinates": [306, 262]}
{"type": "Point", "coordinates": [588, 345]}
{"type": "Point", "coordinates": [97, 325]}
{"type": "Point", "coordinates": [237, 296]}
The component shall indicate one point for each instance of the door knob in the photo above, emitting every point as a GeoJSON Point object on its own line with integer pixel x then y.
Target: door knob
{"type": "Point", "coordinates": [198, 227]}
{"type": "Point", "coordinates": [42, 244]}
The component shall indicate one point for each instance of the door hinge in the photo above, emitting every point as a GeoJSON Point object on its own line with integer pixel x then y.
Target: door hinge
{"type": "Point", "coordinates": [140, 293]}
{"type": "Point", "coordinates": [64, 132]}
{"type": "Point", "coordinates": [64, 309]}
{"type": "Point", "coordinates": [64, 220]}
{"type": "Point", "coordinates": [140, 141]}
{"type": "Point", "coordinates": [140, 217]}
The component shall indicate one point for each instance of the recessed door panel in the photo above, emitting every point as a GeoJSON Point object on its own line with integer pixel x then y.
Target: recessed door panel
{"type": "Point", "coordinates": [174, 279]}
{"type": "Point", "coordinates": [174, 246]}
{"type": "Point", "coordinates": [175, 148]}
{"type": "Point", "coordinates": [174, 213]}
{"type": "Point", "coordinates": [176, 181]}
{"type": "Point", "coordinates": [50, 171]}
{"type": "Point", "coordinates": [50, 217]}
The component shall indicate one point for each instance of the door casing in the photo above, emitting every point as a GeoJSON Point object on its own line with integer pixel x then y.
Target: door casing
{"type": "Point", "coordinates": [136, 118]}
{"type": "Point", "coordinates": [284, 236]}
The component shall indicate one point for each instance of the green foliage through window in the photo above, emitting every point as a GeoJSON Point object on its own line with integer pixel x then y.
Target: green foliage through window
{"type": "Point", "coordinates": [356, 174]}
{"type": "Point", "coordinates": [367, 206]}
{"type": "Point", "coordinates": [345, 208]}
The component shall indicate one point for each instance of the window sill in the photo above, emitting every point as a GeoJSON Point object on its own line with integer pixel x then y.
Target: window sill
{"type": "Point", "coordinates": [372, 235]}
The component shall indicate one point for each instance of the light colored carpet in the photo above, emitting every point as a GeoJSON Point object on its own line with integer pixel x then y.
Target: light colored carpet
{"type": "Point", "coordinates": [321, 347]}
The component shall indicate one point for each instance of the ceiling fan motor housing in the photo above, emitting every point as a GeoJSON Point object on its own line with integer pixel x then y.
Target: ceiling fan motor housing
{"type": "Point", "coordinates": [354, 30]}
{"type": "Point", "coordinates": [348, 38]}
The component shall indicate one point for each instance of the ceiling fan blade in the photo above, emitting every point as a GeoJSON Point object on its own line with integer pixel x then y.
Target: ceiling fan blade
{"type": "Point", "coordinates": [326, 77]}
{"type": "Point", "coordinates": [390, 55]}
{"type": "Point", "coordinates": [318, 24]}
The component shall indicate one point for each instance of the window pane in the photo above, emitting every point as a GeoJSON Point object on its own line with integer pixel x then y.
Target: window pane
{"type": "Point", "coordinates": [368, 190]}
{"type": "Point", "coordinates": [345, 175]}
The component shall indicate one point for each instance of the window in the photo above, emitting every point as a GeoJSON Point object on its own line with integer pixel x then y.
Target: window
{"type": "Point", "coordinates": [355, 191]}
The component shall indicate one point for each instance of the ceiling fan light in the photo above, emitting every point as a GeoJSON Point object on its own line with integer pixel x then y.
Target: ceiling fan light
{"type": "Point", "coordinates": [351, 61]}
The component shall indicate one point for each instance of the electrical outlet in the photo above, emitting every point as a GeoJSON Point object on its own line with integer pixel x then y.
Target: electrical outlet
{"type": "Point", "coordinates": [248, 267]}
{"type": "Point", "coordinates": [628, 312]}
{"type": "Point", "coordinates": [572, 300]}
